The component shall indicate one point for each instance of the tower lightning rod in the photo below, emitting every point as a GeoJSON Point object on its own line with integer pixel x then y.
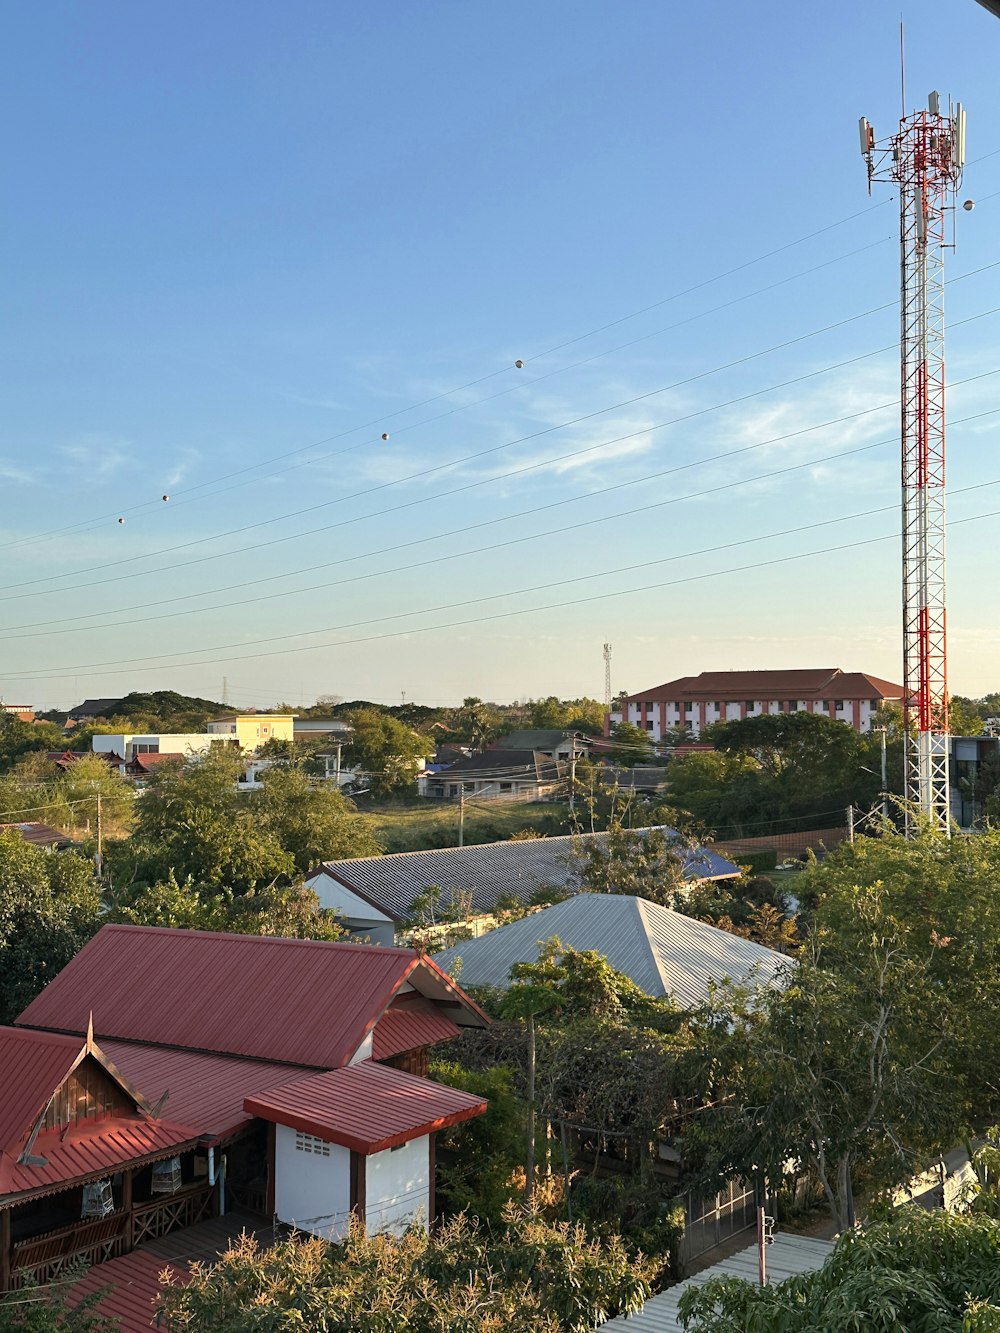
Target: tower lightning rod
{"type": "Point", "coordinates": [924, 159]}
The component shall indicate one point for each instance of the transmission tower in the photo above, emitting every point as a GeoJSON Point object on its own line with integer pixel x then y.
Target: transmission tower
{"type": "Point", "coordinates": [607, 688]}
{"type": "Point", "coordinates": [924, 159]}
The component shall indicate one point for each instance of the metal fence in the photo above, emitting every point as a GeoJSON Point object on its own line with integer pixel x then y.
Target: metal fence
{"type": "Point", "coordinates": [710, 1221]}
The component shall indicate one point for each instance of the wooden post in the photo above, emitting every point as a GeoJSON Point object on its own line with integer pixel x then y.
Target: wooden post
{"type": "Point", "coordinates": [431, 1178]}
{"type": "Point", "coordinates": [127, 1208]}
{"type": "Point", "coordinates": [4, 1249]}
{"type": "Point", "coordinates": [359, 1167]}
{"type": "Point", "coordinates": [269, 1199]}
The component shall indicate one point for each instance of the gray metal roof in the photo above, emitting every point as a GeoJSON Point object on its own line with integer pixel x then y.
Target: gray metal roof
{"type": "Point", "coordinates": [489, 871]}
{"type": "Point", "coordinates": [787, 1257]}
{"type": "Point", "coordinates": [664, 952]}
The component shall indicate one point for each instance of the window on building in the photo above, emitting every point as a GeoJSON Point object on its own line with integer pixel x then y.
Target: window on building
{"type": "Point", "coordinates": [750, 705]}
{"type": "Point", "coordinates": [505, 786]}
{"type": "Point", "coordinates": [649, 725]}
{"type": "Point", "coordinates": [838, 705]}
{"type": "Point", "coordinates": [689, 707]}
{"type": "Point", "coordinates": [310, 1143]}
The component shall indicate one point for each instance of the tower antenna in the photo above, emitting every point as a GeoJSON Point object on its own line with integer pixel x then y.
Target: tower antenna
{"type": "Point", "coordinates": [925, 160]}
{"type": "Point", "coordinates": [607, 689]}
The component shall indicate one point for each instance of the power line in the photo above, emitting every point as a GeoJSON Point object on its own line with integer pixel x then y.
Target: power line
{"type": "Point", "coordinates": [492, 522]}
{"type": "Point", "coordinates": [484, 453]}
{"type": "Point", "coordinates": [119, 666]}
{"type": "Point", "coordinates": [297, 536]}
{"type": "Point", "coordinates": [517, 541]}
{"type": "Point", "coordinates": [390, 416]}
{"type": "Point", "coordinates": [31, 583]}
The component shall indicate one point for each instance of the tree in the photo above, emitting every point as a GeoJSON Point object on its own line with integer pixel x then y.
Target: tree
{"type": "Point", "coordinates": [477, 1161]}
{"type": "Point", "coordinates": [533, 993]}
{"type": "Point", "coordinates": [917, 1271]}
{"type": "Point", "coordinates": [524, 1276]}
{"type": "Point", "coordinates": [194, 823]}
{"type": "Point", "coordinates": [37, 1308]}
{"type": "Point", "coordinates": [311, 821]}
{"type": "Point", "coordinates": [644, 863]}
{"type": "Point", "coordinates": [387, 752]}
{"type": "Point", "coordinates": [630, 745]}
{"type": "Point", "coordinates": [49, 908]}
{"type": "Point", "coordinates": [777, 769]}
{"type": "Point", "coordinates": [19, 738]}
{"type": "Point", "coordinates": [881, 1051]}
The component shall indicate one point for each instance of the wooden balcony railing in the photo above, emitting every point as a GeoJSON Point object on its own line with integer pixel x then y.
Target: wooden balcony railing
{"type": "Point", "coordinates": [170, 1212]}
{"type": "Point", "coordinates": [93, 1242]}
{"type": "Point", "coordinates": [46, 1256]}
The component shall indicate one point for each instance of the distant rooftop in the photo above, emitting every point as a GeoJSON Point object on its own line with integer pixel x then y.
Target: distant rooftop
{"type": "Point", "coordinates": [488, 871]}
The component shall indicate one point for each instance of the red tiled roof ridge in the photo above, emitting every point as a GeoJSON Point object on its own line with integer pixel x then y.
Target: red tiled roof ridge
{"type": "Point", "coordinates": [121, 928]}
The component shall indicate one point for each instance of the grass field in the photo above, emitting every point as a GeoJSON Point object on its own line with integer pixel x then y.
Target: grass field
{"type": "Point", "coordinates": [420, 825]}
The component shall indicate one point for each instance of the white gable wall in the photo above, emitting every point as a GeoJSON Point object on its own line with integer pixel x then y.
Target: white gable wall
{"type": "Point", "coordinates": [397, 1187]}
{"type": "Point", "coordinates": [312, 1190]}
{"type": "Point", "coordinates": [358, 915]}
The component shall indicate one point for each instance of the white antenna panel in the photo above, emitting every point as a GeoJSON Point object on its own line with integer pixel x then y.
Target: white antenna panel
{"type": "Point", "coordinates": [934, 103]}
{"type": "Point", "coordinates": [959, 136]}
{"type": "Point", "coordinates": [867, 136]}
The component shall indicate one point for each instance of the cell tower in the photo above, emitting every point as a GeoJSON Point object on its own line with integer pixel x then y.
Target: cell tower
{"type": "Point", "coordinates": [925, 159]}
{"type": "Point", "coordinates": [607, 687]}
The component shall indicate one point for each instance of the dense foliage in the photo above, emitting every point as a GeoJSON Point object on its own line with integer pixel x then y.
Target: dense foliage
{"type": "Point", "coordinates": [193, 822]}
{"type": "Point", "coordinates": [49, 905]}
{"type": "Point", "coordinates": [523, 1276]}
{"type": "Point", "coordinates": [919, 1272]}
{"type": "Point", "coordinates": [882, 1051]}
{"type": "Point", "coordinates": [779, 771]}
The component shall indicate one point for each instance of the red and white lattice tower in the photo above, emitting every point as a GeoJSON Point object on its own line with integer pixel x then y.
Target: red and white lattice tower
{"type": "Point", "coordinates": [925, 159]}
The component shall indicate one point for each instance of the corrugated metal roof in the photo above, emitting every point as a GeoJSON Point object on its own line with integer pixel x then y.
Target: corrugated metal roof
{"type": "Point", "coordinates": [38, 835]}
{"type": "Point", "coordinates": [133, 1281]}
{"type": "Point", "coordinates": [304, 1002]}
{"type": "Point", "coordinates": [664, 952]}
{"type": "Point", "coordinates": [206, 1091]}
{"type": "Point", "coordinates": [93, 1150]}
{"type": "Point", "coordinates": [366, 1107]}
{"type": "Point", "coordinates": [410, 1026]}
{"type": "Point", "coordinates": [489, 871]}
{"type": "Point", "coordinates": [788, 1256]}
{"type": "Point", "coordinates": [33, 1065]}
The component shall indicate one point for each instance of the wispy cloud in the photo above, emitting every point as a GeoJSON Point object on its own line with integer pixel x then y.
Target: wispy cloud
{"type": "Point", "coordinates": [99, 454]}
{"type": "Point", "coordinates": [17, 472]}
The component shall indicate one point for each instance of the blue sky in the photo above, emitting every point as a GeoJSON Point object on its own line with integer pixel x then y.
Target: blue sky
{"type": "Point", "coordinates": [244, 240]}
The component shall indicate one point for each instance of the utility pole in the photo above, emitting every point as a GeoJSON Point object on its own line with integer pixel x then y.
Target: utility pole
{"type": "Point", "coordinates": [924, 159]}
{"type": "Point", "coordinates": [850, 823]}
{"type": "Point", "coordinates": [461, 814]}
{"type": "Point", "coordinates": [572, 781]}
{"type": "Point", "coordinates": [885, 781]}
{"type": "Point", "coordinates": [99, 855]}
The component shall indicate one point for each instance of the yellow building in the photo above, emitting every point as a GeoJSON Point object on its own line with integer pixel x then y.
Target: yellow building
{"type": "Point", "coordinates": [252, 730]}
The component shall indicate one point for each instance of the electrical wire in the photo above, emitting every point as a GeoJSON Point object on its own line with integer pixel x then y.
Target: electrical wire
{"type": "Point", "coordinates": [390, 416]}
{"type": "Point", "coordinates": [548, 533]}
{"type": "Point", "coordinates": [494, 449]}
{"type": "Point", "coordinates": [492, 522]}
{"type": "Point", "coordinates": [120, 666]}
{"type": "Point", "coordinates": [426, 472]}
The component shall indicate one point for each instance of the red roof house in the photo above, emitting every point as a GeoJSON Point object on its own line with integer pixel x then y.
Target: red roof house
{"type": "Point", "coordinates": [165, 1075]}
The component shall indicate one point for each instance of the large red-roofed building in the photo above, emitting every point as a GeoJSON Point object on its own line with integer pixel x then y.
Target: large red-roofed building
{"type": "Point", "coordinates": [165, 1075]}
{"type": "Point", "coordinates": [695, 702]}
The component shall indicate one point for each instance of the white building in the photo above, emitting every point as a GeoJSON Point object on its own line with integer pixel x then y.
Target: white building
{"type": "Point", "coordinates": [694, 702]}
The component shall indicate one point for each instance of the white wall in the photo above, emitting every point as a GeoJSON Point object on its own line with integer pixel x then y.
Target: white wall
{"type": "Point", "coordinates": [192, 743]}
{"type": "Point", "coordinates": [331, 893]}
{"type": "Point", "coordinates": [397, 1187]}
{"type": "Point", "coordinates": [312, 1191]}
